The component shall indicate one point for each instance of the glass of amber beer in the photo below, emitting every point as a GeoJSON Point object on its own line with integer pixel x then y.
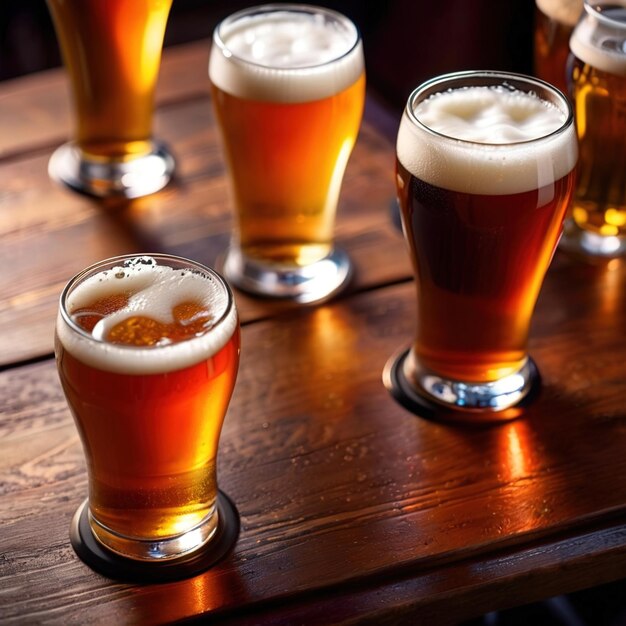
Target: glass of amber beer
{"type": "Point", "coordinates": [112, 52]}
{"type": "Point", "coordinates": [554, 22]}
{"type": "Point", "coordinates": [485, 170]}
{"type": "Point", "coordinates": [147, 352]}
{"type": "Point", "coordinates": [288, 87]}
{"type": "Point", "coordinates": [596, 225]}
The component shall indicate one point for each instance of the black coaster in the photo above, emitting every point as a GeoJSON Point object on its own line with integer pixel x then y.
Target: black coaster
{"type": "Point", "coordinates": [403, 392]}
{"type": "Point", "coordinates": [117, 567]}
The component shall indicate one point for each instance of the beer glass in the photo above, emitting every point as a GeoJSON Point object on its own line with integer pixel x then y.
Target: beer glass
{"type": "Point", "coordinates": [554, 23]}
{"type": "Point", "coordinates": [485, 170]}
{"type": "Point", "coordinates": [147, 351]}
{"type": "Point", "coordinates": [112, 52]}
{"type": "Point", "coordinates": [288, 88]}
{"type": "Point", "coordinates": [596, 225]}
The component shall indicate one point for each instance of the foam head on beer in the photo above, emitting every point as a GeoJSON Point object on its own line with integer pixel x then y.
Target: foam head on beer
{"type": "Point", "coordinates": [127, 312]}
{"type": "Point", "coordinates": [484, 176]}
{"type": "Point", "coordinates": [286, 56]}
{"type": "Point", "coordinates": [598, 40]}
{"type": "Point", "coordinates": [564, 12]}
{"type": "Point", "coordinates": [481, 140]}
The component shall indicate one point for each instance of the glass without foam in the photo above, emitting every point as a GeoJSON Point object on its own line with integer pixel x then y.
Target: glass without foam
{"type": "Point", "coordinates": [112, 53]}
{"type": "Point", "coordinates": [147, 352]}
{"type": "Point", "coordinates": [482, 214]}
{"type": "Point", "coordinates": [554, 23]}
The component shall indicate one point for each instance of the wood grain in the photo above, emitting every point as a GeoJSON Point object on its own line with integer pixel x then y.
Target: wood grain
{"type": "Point", "coordinates": [35, 110]}
{"type": "Point", "coordinates": [49, 233]}
{"type": "Point", "coordinates": [333, 478]}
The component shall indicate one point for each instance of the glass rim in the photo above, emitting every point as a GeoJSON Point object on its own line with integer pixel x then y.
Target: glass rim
{"type": "Point", "coordinates": [512, 80]}
{"type": "Point", "coordinates": [118, 260]}
{"type": "Point", "coordinates": [594, 8]}
{"type": "Point", "coordinates": [309, 9]}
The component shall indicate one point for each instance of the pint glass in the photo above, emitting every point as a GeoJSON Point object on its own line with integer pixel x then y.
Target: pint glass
{"type": "Point", "coordinates": [596, 224]}
{"type": "Point", "coordinates": [112, 52]}
{"type": "Point", "coordinates": [288, 89]}
{"type": "Point", "coordinates": [554, 23]}
{"type": "Point", "coordinates": [147, 352]}
{"type": "Point", "coordinates": [485, 170]}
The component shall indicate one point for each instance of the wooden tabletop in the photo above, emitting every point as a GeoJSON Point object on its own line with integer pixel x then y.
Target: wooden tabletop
{"type": "Point", "coordinates": [352, 508]}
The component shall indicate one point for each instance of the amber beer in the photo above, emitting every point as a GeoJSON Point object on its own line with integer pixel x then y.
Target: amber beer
{"type": "Point", "coordinates": [147, 352]}
{"type": "Point", "coordinates": [485, 170]}
{"type": "Point", "coordinates": [288, 89]}
{"type": "Point", "coordinates": [598, 85]}
{"type": "Point", "coordinates": [554, 22]}
{"type": "Point", "coordinates": [112, 51]}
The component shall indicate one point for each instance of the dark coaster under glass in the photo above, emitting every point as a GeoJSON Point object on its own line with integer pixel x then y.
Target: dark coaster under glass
{"type": "Point", "coordinates": [117, 567]}
{"type": "Point", "coordinates": [407, 396]}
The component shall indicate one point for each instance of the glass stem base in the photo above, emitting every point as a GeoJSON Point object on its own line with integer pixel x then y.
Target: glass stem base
{"type": "Point", "coordinates": [304, 284]}
{"type": "Point", "coordinates": [576, 240]}
{"type": "Point", "coordinates": [104, 178]}
{"type": "Point", "coordinates": [434, 397]}
{"type": "Point", "coordinates": [172, 547]}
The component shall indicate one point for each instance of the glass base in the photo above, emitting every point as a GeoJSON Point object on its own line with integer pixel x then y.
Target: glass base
{"type": "Point", "coordinates": [151, 550]}
{"type": "Point", "coordinates": [113, 565]}
{"type": "Point", "coordinates": [575, 240]}
{"type": "Point", "coordinates": [307, 284]}
{"type": "Point", "coordinates": [130, 178]}
{"type": "Point", "coordinates": [445, 400]}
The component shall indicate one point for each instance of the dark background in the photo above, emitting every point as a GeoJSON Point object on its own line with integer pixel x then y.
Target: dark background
{"type": "Point", "coordinates": [405, 41]}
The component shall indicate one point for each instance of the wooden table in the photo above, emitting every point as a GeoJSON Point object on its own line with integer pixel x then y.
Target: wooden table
{"type": "Point", "coordinates": [351, 507]}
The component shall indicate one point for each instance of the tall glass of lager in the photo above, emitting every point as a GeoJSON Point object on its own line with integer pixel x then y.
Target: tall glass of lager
{"type": "Point", "coordinates": [597, 220]}
{"type": "Point", "coordinates": [112, 53]}
{"type": "Point", "coordinates": [147, 352]}
{"type": "Point", "coordinates": [554, 22]}
{"type": "Point", "coordinates": [485, 170]}
{"type": "Point", "coordinates": [288, 88]}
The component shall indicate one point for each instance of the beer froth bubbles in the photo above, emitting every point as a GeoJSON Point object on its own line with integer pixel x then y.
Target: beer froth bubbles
{"type": "Point", "coordinates": [180, 304]}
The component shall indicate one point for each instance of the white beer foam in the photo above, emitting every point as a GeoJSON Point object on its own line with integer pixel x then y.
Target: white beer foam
{"type": "Point", "coordinates": [566, 12]}
{"type": "Point", "coordinates": [599, 45]}
{"type": "Point", "coordinates": [158, 289]}
{"type": "Point", "coordinates": [286, 56]}
{"type": "Point", "coordinates": [481, 141]}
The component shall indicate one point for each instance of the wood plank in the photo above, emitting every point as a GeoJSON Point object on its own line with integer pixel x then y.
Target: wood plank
{"type": "Point", "coordinates": [49, 233]}
{"type": "Point", "coordinates": [450, 594]}
{"type": "Point", "coordinates": [35, 110]}
{"type": "Point", "coordinates": [337, 485]}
